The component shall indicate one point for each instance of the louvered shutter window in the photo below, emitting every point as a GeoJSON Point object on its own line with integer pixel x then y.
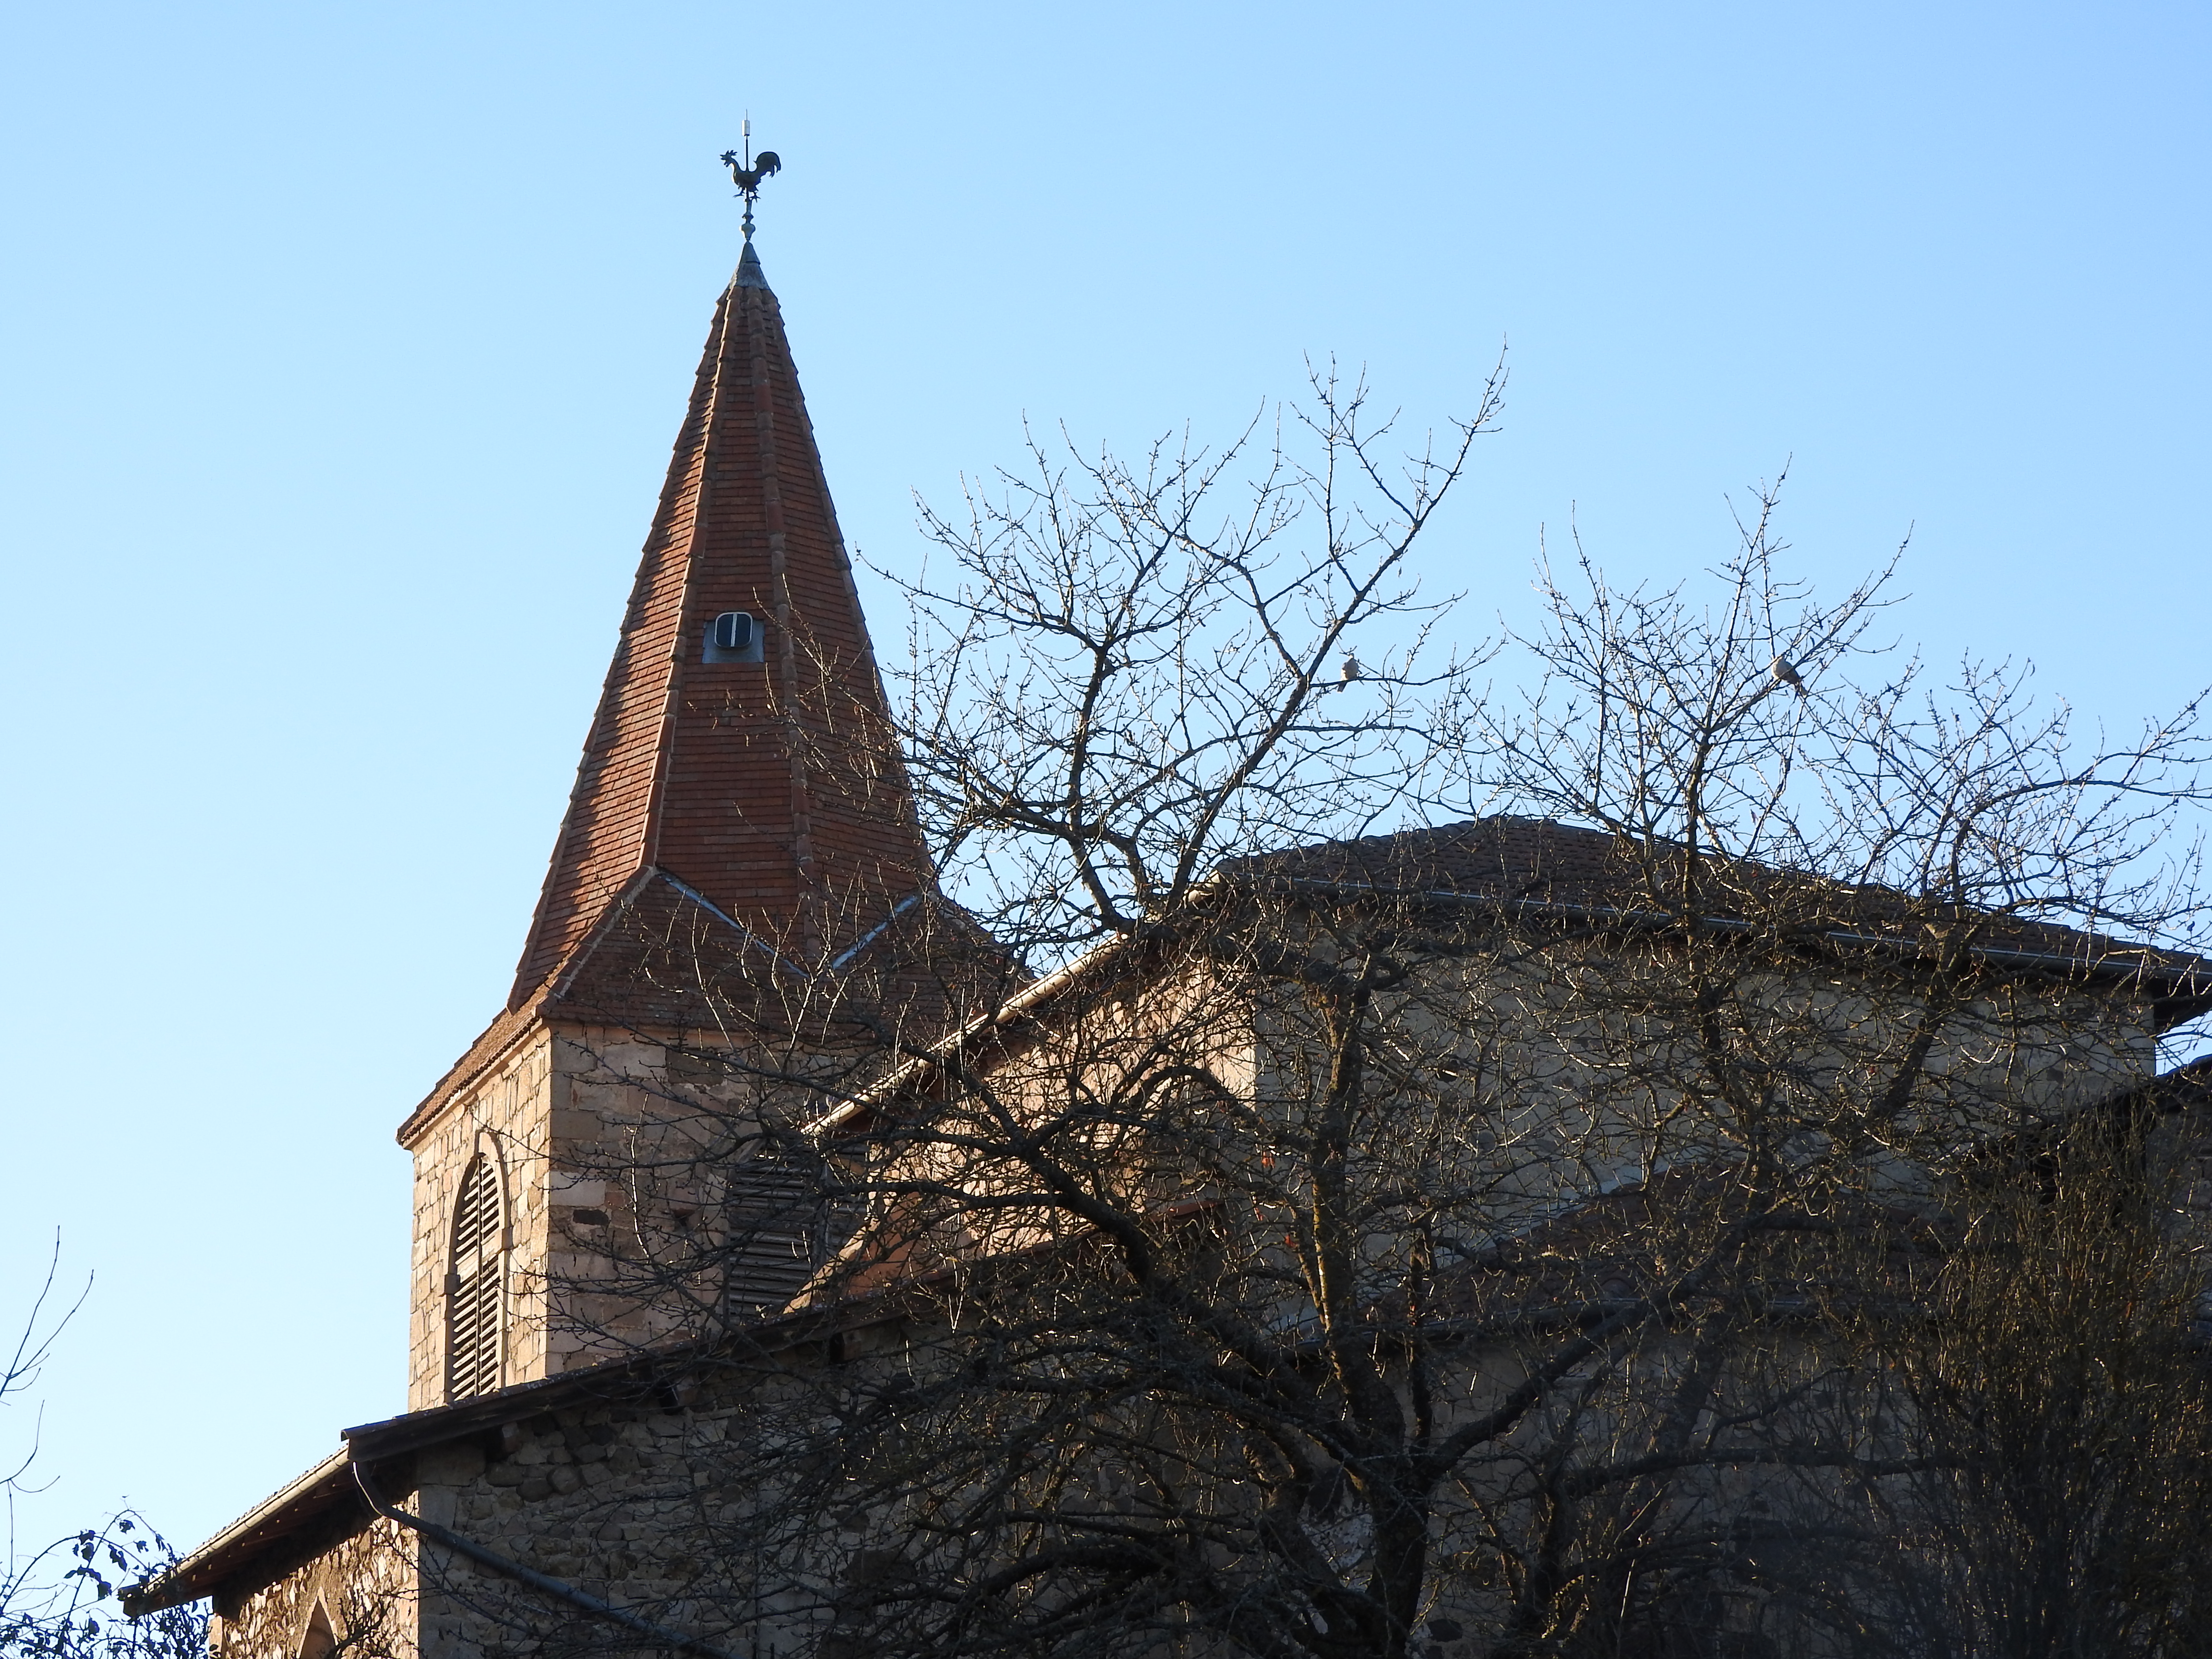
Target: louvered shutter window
{"type": "Point", "coordinates": [472, 1288]}
{"type": "Point", "coordinates": [774, 1224]}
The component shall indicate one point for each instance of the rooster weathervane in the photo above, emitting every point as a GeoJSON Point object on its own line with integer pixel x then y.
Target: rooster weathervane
{"type": "Point", "coordinates": [748, 172]}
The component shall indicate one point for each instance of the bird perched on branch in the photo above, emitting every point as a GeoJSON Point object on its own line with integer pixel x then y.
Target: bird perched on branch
{"type": "Point", "coordinates": [1352, 669]}
{"type": "Point", "coordinates": [1785, 673]}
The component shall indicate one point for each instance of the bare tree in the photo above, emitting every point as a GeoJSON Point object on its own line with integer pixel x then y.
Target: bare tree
{"type": "Point", "coordinates": [2053, 1379]}
{"type": "Point", "coordinates": [1384, 1168]}
{"type": "Point", "coordinates": [51, 1596]}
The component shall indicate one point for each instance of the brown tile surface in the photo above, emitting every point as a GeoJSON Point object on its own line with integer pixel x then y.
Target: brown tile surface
{"type": "Point", "coordinates": [776, 790]}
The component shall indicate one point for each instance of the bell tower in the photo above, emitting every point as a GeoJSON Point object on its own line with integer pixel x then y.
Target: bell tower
{"type": "Point", "coordinates": [741, 815]}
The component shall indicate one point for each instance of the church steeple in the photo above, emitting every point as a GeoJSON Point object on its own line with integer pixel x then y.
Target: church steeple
{"type": "Point", "coordinates": [739, 839]}
{"type": "Point", "coordinates": [761, 774]}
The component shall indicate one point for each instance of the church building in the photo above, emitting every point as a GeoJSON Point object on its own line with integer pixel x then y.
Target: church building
{"type": "Point", "coordinates": [1576, 1081]}
{"type": "Point", "coordinates": [741, 808]}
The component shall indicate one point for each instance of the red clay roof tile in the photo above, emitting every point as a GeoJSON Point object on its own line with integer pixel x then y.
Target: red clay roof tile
{"type": "Point", "coordinates": [775, 789]}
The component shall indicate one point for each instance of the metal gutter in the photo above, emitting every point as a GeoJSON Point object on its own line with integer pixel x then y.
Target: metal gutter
{"type": "Point", "coordinates": [850, 951]}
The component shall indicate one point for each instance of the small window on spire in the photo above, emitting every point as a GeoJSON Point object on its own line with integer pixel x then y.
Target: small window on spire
{"type": "Point", "coordinates": [734, 636]}
{"type": "Point", "coordinates": [473, 1285]}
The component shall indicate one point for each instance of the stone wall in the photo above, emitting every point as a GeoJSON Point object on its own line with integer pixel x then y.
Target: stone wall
{"type": "Point", "coordinates": [619, 1496]}
{"type": "Point", "coordinates": [616, 1151]}
{"type": "Point", "coordinates": [505, 1115]}
{"type": "Point", "coordinates": [601, 1498]}
{"type": "Point", "coordinates": [354, 1576]}
{"type": "Point", "coordinates": [653, 1143]}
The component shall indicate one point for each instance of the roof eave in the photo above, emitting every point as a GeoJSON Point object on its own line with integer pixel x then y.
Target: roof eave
{"type": "Point", "coordinates": [275, 1518]}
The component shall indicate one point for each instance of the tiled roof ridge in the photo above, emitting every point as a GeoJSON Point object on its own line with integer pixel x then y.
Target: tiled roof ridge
{"type": "Point", "coordinates": [1543, 861]}
{"type": "Point", "coordinates": [579, 994]}
{"type": "Point", "coordinates": [610, 919]}
{"type": "Point", "coordinates": [541, 957]}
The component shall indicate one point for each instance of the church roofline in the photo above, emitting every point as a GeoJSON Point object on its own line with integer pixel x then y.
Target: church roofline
{"type": "Point", "coordinates": [507, 1033]}
{"type": "Point", "coordinates": [512, 1026]}
{"type": "Point", "coordinates": [269, 1523]}
{"type": "Point", "coordinates": [330, 1483]}
{"type": "Point", "coordinates": [2177, 985]}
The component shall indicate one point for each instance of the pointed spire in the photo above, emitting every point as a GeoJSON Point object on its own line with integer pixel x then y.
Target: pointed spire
{"type": "Point", "coordinates": [764, 777]}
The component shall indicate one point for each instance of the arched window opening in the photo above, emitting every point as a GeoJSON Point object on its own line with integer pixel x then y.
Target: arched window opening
{"type": "Point", "coordinates": [782, 1226]}
{"type": "Point", "coordinates": [321, 1641]}
{"type": "Point", "coordinates": [472, 1287]}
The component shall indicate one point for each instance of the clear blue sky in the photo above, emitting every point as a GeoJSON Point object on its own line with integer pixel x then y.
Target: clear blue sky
{"type": "Point", "coordinates": [344, 343]}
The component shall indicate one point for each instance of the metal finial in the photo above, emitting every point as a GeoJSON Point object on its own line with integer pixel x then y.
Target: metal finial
{"type": "Point", "coordinates": [748, 172]}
